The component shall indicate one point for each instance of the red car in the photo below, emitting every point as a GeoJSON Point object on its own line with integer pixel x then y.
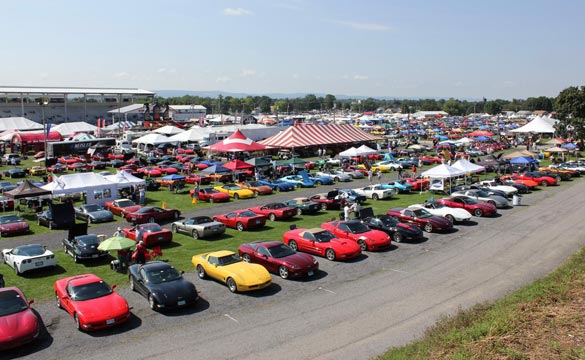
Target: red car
{"type": "Point", "coordinates": [211, 195]}
{"type": "Point", "coordinates": [79, 167]}
{"type": "Point", "coordinates": [152, 214]}
{"type": "Point", "coordinates": [58, 168]}
{"type": "Point", "coordinates": [421, 218]}
{"type": "Point", "coordinates": [150, 171]}
{"type": "Point", "coordinates": [418, 183]}
{"type": "Point", "coordinates": [20, 325]}
{"type": "Point", "coordinates": [121, 207]}
{"type": "Point", "coordinates": [275, 211]}
{"type": "Point", "coordinates": [12, 224]}
{"type": "Point", "coordinates": [542, 180]}
{"type": "Point", "coordinates": [329, 201]}
{"type": "Point", "coordinates": [427, 160]}
{"type": "Point", "coordinates": [93, 304]}
{"type": "Point", "coordinates": [256, 187]}
{"type": "Point", "coordinates": [112, 156]}
{"type": "Point", "coordinates": [474, 207]}
{"type": "Point", "coordinates": [169, 170]}
{"type": "Point", "coordinates": [241, 220]}
{"type": "Point", "coordinates": [366, 238]}
{"type": "Point", "coordinates": [279, 258]}
{"type": "Point", "coordinates": [197, 178]}
{"type": "Point", "coordinates": [68, 160]}
{"type": "Point", "coordinates": [321, 242]}
{"type": "Point", "coordinates": [151, 233]}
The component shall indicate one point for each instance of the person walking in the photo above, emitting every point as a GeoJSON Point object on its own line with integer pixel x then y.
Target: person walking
{"type": "Point", "coordinates": [346, 211]}
{"type": "Point", "coordinates": [141, 253]}
{"type": "Point", "coordinates": [379, 173]}
{"type": "Point", "coordinates": [142, 195]}
{"type": "Point", "coordinates": [370, 175]}
{"type": "Point", "coordinates": [413, 171]}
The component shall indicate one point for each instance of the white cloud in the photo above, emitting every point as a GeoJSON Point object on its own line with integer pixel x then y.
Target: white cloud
{"type": "Point", "coordinates": [360, 77]}
{"type": "Point", "coordinates": [121, 74]}
{"type": "Point", "coordinates": [165, 70]}
{"type": "Point", "coordinates": [361, 26]}
{"type": "Point", "coordinates": [161, 70]}
{"type": "Point", "coordinates": [247, 72]}
{"type": "Point", "coordinates": [223, 79]}
{"type": "Point", "coordinates": [296, 76]}
{"type": "Point", "coordinates": [345, 77]}
{"type": "Point", "coordinates": [237, 12]}
{"type": "Point", "coordinates": [43, 75]}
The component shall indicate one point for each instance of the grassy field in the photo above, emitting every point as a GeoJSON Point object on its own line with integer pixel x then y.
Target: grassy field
{"type": "Point", "coordinates": [541, 321]}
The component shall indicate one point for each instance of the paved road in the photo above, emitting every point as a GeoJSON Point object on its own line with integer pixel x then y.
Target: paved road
{"type": "Point", "coordinates": [350, 310]}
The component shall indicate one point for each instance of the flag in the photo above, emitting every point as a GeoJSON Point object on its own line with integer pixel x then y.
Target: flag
{"type": "Point", "coordinates": [164, 205]}
{"type": "Point", "coordinates": [48, 129]}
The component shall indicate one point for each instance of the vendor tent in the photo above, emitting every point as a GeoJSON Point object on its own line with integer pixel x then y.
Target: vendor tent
{"type": "Point", "coordinates": [237, 142]}
{"type": "Point", "coordinates": [443, 171]}
{"type": "Point", "coordinates": [318, 135]}
{"type": "Point", "coordinates": [537, 125]}
{"type": "Point", "coordinates": [124, 179]}
{"type": "Point", "coordinates": [556, 149]}
{"type": "Point", "coordinates": [519, 153]}
{"type": "Point", "coordinates": [152, 139]}
{"type": "Point", "coordinates": [96, 188]}
{"type": "Point", "coordinates": [468, 167]}
{"type": "Point", "coordinates": [351, 152]}
{"type": "Point", "coordinates": [365, 150]}
{"type": "Point", "coordinates": [236, 165]}
{"type": "Point", "coordinates": [258, 162]}
{"type": "Point", "coordinates": [169, 130]}
{"type": "Point", "coordinates": [26, 190]}
{"type": "Point", "coordinates": [193, 134]}
{"type": "Point", "coordinates": [19, 123]}
{"type": "Point", "coordinates": [215, 169]}
{"type": "Point", "coordinates": [523, 160]}
{"type": "Point", "coordinates": [70, 128]}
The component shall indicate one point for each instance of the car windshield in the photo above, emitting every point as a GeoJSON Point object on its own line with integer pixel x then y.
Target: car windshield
{"type": "Point", "coordinates": [357, 227]}
{"type": "Point", "coordinates": [254, 184]}
{"type": "Point", "coordinates": [228, 259]}
{"type": "Point", "coordinates": [125, 203]}
{"type": "Point", "coordinates": [151, 228]}
{"type": "Point", "coordinates": [247, 214]}
{"type": "Point", "coordinates": [9, 219]}
{"type": "Point", "coordinates": [11, 303]}
{"type": "Point", "coordinates": [470, 201]}
{"type": "Point", "coordinates": [92, 208]}
{"type": "Point", "coordinates": [144, 210]}
{"type": "Point", "coordinates": [158, 276]}
{"type": "Point", "coordinates": [421, 213]}
{"type": "Point", "coordinates": [388, 221]}
{"type": "Point", "coordinates": [89, 291]}
{"type": "Point", "coordinates": [29, 250]}
{"type": "Point", "coordinates": [88, 240]}
{"type": "Point", "coordinates": [202, 220]}
{"type": "Point", "coordinates": [276, 206]}
{"type": "Point", "coordinates": [324, 236]}
{"type": "Point", "coordinates": [280, 251]}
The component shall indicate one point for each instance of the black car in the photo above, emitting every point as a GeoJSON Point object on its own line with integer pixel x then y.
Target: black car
{"type": "Point", "coordinates": [57, 216]}
{"type": "Point", "coordinates": [397, 230]}
{"type": "Point", "coordinates": [116, 163]}
{"type": "Point", "coordinates": [83, 247]}
{"type": "Point", "coordinates": [15, 173]}
{"type": "Point", "coordinates": [163, 286]}
{"type": "Point", "coordinates": [7, 186]}
{"type": "Point", "coordinates": [152, 185]}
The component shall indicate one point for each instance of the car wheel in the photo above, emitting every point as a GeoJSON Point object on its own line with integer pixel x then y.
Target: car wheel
{"type": "Point", "coordinates": [271, 217]}
{"type": "Point", "coordinates": [299, 211]}
{"type": "Point", "coordinates": [256, 193]}
{"type": "Point", "coordinates": [151, 220]}
{"type": "Point", "coordinates": [132, 284]}
{"type": "Point", "coordinates": [152, 302]}
{"type": "Point", "coordinates": [363, 245]}
{"type": "Point", "coordinates": [58, 301]}
{"type": "Point", "coordinates": [330, 254]}
{"type": "Point", "coordinates": [16, 269]}
{"type": "Point", "coordinates": [240, 226]}
{"type": "Point", "coordinates": [293, 245]}
{"type": "Point", "coordinates": [231, 284]}
{"type": "Point", "coordinates": [324, 206]}
{"type": "Point", "coordinates": [50, 226]}
{"type": "Point", "coordinates": [318, 182]}
{"type": "Point", "coordinates": [201, 272]}
{"type": "Point", "coordinates": [174, 228]}
{"type": "Point", "coordinates": [375, 197]}
{"type": "Point", "coordinates": [236, 196]}
{"type": "Point", "coordinates": [283, 272]}
{"type": "Point", "coordinates": [246, 258]}
{"type": "Point", "coordinates": [75, 258]}
{"type": "Point", "coordinates": [397, 237]}
{"type": "Point", "coordinates": [478, 212]}
{"type": "Point", "coordinates": [492, 202]}
{"type": "Point", "coordinates": [336, 179]}
{"type": "Point", "coordinates": [211, 200]}
{"type": "Point", "coordinates": [543, 183]}
{"type": "Point", "coordinates": [450, 218]}
{"type": "Point", "coordinates": [428, 227]}
{"type": "Point", "coordinates": [195, 234]}
{"type": "Point", "coordinates": [77, 322]}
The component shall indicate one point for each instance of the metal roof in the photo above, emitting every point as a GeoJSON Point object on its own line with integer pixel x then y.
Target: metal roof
{"type": "Point", "coordinates": [72, 90]}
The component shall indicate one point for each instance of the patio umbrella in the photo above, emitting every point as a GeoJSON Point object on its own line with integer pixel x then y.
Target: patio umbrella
{"type": "Point", "coordinates": [116, 243]}
{"type": "Point", "coordinates": [569, 146]}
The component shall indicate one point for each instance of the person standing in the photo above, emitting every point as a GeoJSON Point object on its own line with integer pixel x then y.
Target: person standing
{"type": "Point", "coordinates": [357, 208]}
{"type": "Point", "coordinates": [400, 173]}
{"type": "Point", "coordinates": [142, 195]}
{"type": "Point", "coordinates": [413, 171]}
{"type": "Point", "coordinates": [370, 175]}
{"type": "Point", "coordinates": [346, 211]}
{"type": "Point", "coordinates": [379, 173]}
{"type": "Point", "coordinates": [140, 253]}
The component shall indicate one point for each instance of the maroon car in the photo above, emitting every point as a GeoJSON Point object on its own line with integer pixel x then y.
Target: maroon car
{"type": "Point", "coordinates": [275, 211]}
{"type": "Point", "coordinates": [12, 225]}
{"type": "Point", "coordinates": [151, 233]}
{"type": "Point", "coordinates": [279, 258]}
{"type": "Point", "coordinates": [328, 201]}
{"type": "Point", "coordinates": [421, 218]}
{"type": "Point", "coordinates": [474, 207]}
{"type": "Point", "coordinates": [152, 214]}
{"type": "Point", "coordinates": [121, 207]}
{"type": "Point", "coordinates": [241, 220]}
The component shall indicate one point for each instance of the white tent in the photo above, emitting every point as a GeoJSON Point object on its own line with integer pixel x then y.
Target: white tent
{"type": "Point", "coordinates": [97, 189]}
{"type": "Point", "coordinates": [124, 179]}
{"type": "Point", "coordinates": [193, 134]}
{"type": "Point", "coordinates": [443, 171]}
{"type": "Point", "coordinates": [468, 167]}
{"type": "Point", "coordinates": [365, 150]}
{"type": "Point", "coordinates": [537, 125]}
{"type": "Point", "coordinates": [463, 140]}
{"type": "Point", "coordinates": [169, 130]}
{"type": "Point", "coordinates": [70, 128]}
{"type": "Point", "coordinates": [152, 139]}
{"type": "Point", "coordinates": [19, 123]}
{"type": "Point", "coordinates": [351, 152]}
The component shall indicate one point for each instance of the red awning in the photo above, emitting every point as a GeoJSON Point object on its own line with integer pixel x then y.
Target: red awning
{"type": "Point", "coordinates": [237, 142]}
{"type": "Point", "coordinates": [235, 165]}
{"type": "Point", "coordinates": [315, 135]}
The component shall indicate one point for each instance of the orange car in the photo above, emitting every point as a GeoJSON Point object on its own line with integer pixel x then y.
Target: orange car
{"type": "Point", "coordinates": [256, 187]}
{"type": "Point", "coordinates": [530, 183]}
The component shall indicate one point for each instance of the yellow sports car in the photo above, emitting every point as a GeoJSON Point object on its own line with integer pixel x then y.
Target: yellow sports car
{"type": "Point", "coordinates": [37, 170]}
{"type": "Point", "coordinates": [235, 191]}
{"type": "Point", "coordinates": [227, 267]}
{"type": "Point", "coordinates": [375, 168]}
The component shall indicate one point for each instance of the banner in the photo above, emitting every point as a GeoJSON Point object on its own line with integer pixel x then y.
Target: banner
{"type": "Point", "coordinates": [437, 184]}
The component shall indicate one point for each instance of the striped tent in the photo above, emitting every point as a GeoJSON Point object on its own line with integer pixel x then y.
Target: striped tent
{"type": "Point", "coordinates": [316, 135]}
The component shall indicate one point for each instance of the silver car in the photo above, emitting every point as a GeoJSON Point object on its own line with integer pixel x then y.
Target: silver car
{"type": "Point", "coordinates": [334, 175]}
{"type": "Point", "coordinates": [198, 227]}
{"type": "Point", "coordinates": [498, 201]}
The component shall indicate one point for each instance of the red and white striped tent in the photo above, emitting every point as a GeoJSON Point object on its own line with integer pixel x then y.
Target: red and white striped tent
{"type": "Point", "coordinates": [316, 135]}
{"type": "Point", "coordinates": [236, 142]}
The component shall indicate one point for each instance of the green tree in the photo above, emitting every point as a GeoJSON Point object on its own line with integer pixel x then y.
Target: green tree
{"type": "Point", "coordinates": [570, 108]}
{"type": "Point", "coordinates": [539, 103]}
{"type": "Point", "coordinates": [329, 101]}
{"type": "Point", "coordinates": [453, 107]}
{"type": "Point", "coordinates": [492, 107]}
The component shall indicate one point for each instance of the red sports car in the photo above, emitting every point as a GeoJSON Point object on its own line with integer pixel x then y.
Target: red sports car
{"type": "Point", "coordinates": [152, 214]}
{"type": "Point", "coordinates": [279, 258]}
{"type": "Point", "coordinates": [151, 233]}
{"type": "Point", "coordinates": [112, 156]}
{"type": "Point", "coordinates": [427, 160]}
{"type": "Point", "coordinates": [121, 207]}
{"type": "Point", "coordinates": [12, 224]}
{"type": "Point", "coordinates": [328, 201]}
{"type": "Point", "coordinates": [366, 238]}
{"type": "Point", "coordinates": [241, 220]}
{"type": "Point", "coordinates": [418, 183]}
{"type": "Point", "coordinates": [20, 325]}
{"type": "Point", "coordinates": [150, 171]}
{"type": "Point", "coordinates": [321, 242]}
{"type": "Point", "coordinates": [421, 218]}
{"type": "Point", "coordinates": [68, 160]}
{"type": "Point", "coordinates": [275, 211]}
{"type": "Point", "coordinates": [79, 167]}
{"type": "Point", "coordinates": [211, 195]}
{"type": "Point", "coordinates": [58, 168]}
{"type": "Point", "coordinates": [542, 180]}
{"type": "Point", "coordinates": [474, 207]}
{"type": "Point", "coordinates": [256, 187]}
{"type": "Point", "coordinates": [198, 178]}
{"type": "Point", "coordinates": [169, 170]}
{"type": "Point", "coordinates": [93, 304]}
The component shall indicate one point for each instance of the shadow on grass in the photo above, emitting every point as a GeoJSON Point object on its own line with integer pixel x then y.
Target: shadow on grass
{"type": "Point", "coordinates": [43, 272]}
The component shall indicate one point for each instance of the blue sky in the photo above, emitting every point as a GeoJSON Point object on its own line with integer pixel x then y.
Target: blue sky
{"type": "Point", "coordinates": [462, 49]}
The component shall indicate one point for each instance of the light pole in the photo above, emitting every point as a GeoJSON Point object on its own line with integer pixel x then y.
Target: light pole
{"type": "Point", "coordinates": [43, 103]}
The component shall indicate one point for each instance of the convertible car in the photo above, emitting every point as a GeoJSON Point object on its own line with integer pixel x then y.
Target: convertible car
{"type": "Point", "coordinates": [451, 214]}
{"type": "Point", "coordinates": [279, 258]}
{"type": "Point", "coordinates": [321, 242]}
{"type": "Point", "coordinates": [121, 207]}
{"type": "Point", "coordinates": [275, 211]}
{"type": "Point", "coordinates": [303, 205]}
{"type": "Point", "coordinates": [241, 220]}
{"type": "Point", "coordinates": [198, 227]}
{"type": "Point", "coordinates": [93, 304]}
{"type": "Point", "coordinates": [256, 187]}
{"type": "Point", "coordinates": [162, 285]}
{"type": "Point", "coordinates": [227, 267]}
{"type": "Point", "coordinates": [354, 230]}
{"type": "Point", "coordinates": [211, 195]}
{"type": "Point", "coordinates": [151, 233]}
{"type": "Point", "coordinates": [422, 219]}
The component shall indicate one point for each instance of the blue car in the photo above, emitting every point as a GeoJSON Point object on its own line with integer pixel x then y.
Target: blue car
{"type": "Point", "coordinates": [298, 181]}
{"type": "Point", "coordinates": [321, 180]}
{"type": "Point", "coordinates": [400, 185]}
{"type": "Point", "coordinates": [278, 185]}
{"type": "Point", "coordinates": [351, 195]}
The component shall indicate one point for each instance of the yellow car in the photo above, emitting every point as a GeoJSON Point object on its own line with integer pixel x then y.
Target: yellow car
{"type": "Point", "coordinates": [235, 191]}
{"type": "Point", "coordinates": [37, 170]}
{"type": "Point", "coordinates": [375, 168]}
{"type": "Point", "coordinates": [227, 267]}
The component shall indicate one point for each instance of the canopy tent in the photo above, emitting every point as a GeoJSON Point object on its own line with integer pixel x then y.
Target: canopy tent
{"type": "Point", "coordinates": [97, 188]}
{"type": "Point", "coordinates": [523, 160]}
{"type": "Point", "coordinates": [569, 146]}
{"type": "Point", "coordinates": [316, 135]}
{"type": "Point", "coordinates": [480, 133]}
{"type": "Point", "coordinates": [19, 123]}
{"type": "Point", "coordinates": [237, 164]}
{"type": "Point", "coordinates": [443, 171]}
{"type": "Point", "coordinates": [463, 140]}
{"type": "Point", "coordinates": [365, 150]}
{"type": "Point", "coordinates": [351, 152]}
{"type": "Point", "coordinates": [258, 162]}
{"type": "Point", "coordinates": [482, 138]}
{"type": "Point", "coordinates": [468, 167]}
{"type": "Point", "coordinates": [537, 125]}
{"type": "Point", "coordinates": [168, 130]}
{"type": "Point", "coordinates": [215, 169]}
{"type": "Point", "coordinates": [237, 142]}
{"type": "Point", "coordinates": [125, 179]}
{"type": "Point", "coordinates": [26, 190]}
{"type": "Point", "coordinates": [193, 134]}
{"type": "Point", "coordinates": [556, 149]}
{"type": "Point", "coordinates": [555, 141]}
{"type": "Point", "coordinates": [519, 153]}
{"type": "Point", "coordinates": [152, 139]}
{"type": "Point", "coordinates": [70, 128]}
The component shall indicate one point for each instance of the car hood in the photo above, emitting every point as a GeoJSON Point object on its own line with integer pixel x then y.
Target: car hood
{"type": "Point", "coordinates": [247, 272]}
{"type": "Point", "coordinates": [300, 259]}
{"type": "Point", "coordinates": [172, 290]}
{"type": "Point", "coordinates": [106, 307]}
{"type": "Point", "coordinates": [101, 214]}
{"type": "Point", "coordinates": [21, 225]}
{"type": "Point", "coordinates": [16, 325]}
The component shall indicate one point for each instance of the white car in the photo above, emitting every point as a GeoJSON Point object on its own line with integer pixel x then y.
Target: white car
{"type": "Point", "coordinates": [28, 257]}
{"type": "Point", "coordinates": [335, 175]}
{"type": "Point", "coordinates": [354, 174]}
{"type": "Point", "coordinates": [492, 184]}
{"type": "Point", "coordinates": [388, 164]}
{"type": "Point", "coordinates": [453, 214]}
{"type": "Point", "coordinates": [376, 192]}
{"type": "Point", "coordinates": [333, 162]}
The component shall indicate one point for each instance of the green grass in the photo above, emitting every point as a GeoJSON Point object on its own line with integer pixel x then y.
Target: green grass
{"type": "Point", "coordinates": [452, 337]}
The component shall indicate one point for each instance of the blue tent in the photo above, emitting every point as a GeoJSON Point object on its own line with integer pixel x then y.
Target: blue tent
{"type": "Point", "coordinates": [441, 137]}
{"type": "Point", "coordinates": [569, 146]}
{"type": "Point", "coordinates": [522, 160]}
{"type": "Point", "coordinates": [215, 169]}
{"type": "Point", "coordinates": [173, 177]}
{"type": "Point", "coordinates": [482, 138]}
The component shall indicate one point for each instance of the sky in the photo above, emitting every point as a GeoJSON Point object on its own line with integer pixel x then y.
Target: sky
{"type": "Point", "coordinates": [395, 48]}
